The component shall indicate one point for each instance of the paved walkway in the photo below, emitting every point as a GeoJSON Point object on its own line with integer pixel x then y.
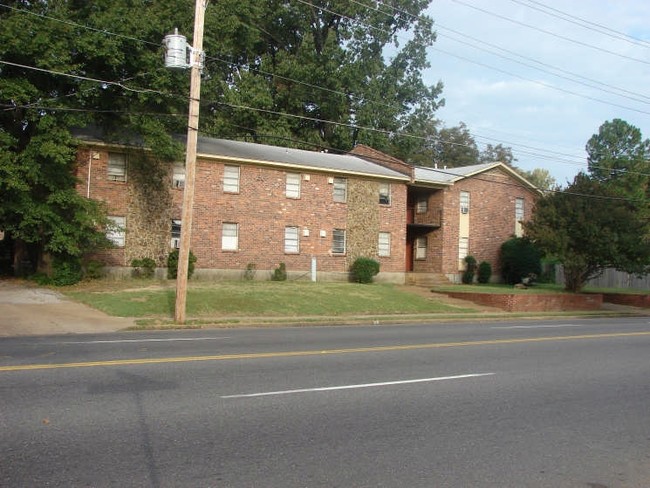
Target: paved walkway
{"type": "Point", "coordinates": [26, 309]}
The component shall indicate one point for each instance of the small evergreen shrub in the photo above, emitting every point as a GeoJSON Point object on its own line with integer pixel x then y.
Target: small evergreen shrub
{"type": "Point", "coordinates": [484, 272]}
{"type": "Point", "coordinates": [66, 270]}
{"type": "Point", "coordinates": [172, 265]}
{"type": "Point", "coordinates": [364, 270]}
{"type": "Point", "coordinates": [519, 258]}
{"type": "Point", "coordinates": [94, 270]}
{"type": "Point", "coordinates": [144, 268]}
{"type": "Point", "coordinates": [249, 272]}
{"type": "Point", "coordinates": [468, 275]}
{"type": "Point", "coordinates": [280, 273]}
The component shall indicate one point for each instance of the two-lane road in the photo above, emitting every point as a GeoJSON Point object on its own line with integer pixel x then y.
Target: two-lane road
{"type": "Point", "coordinates": [498, 404]}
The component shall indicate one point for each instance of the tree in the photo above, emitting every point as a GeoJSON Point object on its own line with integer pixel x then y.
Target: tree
{"type": "Point", "coordinates": [589, 228]}
{"type": "Point", "coordinates": [498, 153]}
{"type": "Point", "coordinates": [288, 73]}
{"type": "Point", "coordinates": [540, 177]}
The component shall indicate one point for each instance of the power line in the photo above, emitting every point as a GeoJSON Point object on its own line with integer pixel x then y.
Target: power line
{"type": "Point", "coordinates": [550, 33]}
{"type": "Point", "coordinates": [587, 24]}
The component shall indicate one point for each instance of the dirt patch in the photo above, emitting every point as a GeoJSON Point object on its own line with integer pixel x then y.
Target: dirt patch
{"type": "Point", "coordinates": [26, 309]}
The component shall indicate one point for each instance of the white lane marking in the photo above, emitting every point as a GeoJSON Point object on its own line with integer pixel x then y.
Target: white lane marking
{"type": "Point", "coordinates": [557, 326]}
{"type": "Point", "coordinates": [364, 385]}
{"type": "Point", "coordinates": [116, 341]}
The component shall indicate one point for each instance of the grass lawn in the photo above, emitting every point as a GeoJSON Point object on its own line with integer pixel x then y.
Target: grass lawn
{"type": "Point", "coordinates": [155, 299]}
{"type": "Point", "coordinates": [543, 288]}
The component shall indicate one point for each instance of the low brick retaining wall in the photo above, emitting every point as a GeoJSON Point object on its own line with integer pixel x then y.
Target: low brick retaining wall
{"type": "Point", "coordinates": [629, 300]}
{"type": "Point", "coordinates": [533, 302]}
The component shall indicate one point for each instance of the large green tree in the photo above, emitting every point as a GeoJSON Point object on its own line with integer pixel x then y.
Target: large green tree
{"type": "Point", "coordinates": [327, 74]}
{"type": "Point", "coordinates": [588, 227]}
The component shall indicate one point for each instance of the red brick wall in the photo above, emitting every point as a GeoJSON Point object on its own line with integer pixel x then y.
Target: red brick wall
{"type": "Point", "coordinates": [533, 302]}
{"type": "Point", "coordinates": [491, 217]}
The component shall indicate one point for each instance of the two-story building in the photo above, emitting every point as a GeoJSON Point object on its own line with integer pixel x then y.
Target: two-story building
{"type": "Point", "coordinates": [256, 206]}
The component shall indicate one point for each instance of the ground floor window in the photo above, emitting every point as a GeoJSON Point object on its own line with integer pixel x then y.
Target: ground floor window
{"type": "Point", "coordinates": [291, 241]}
{"type": "Point", "coordinates": [117, 231]}
{"type": "Point", "coordinates": [230, 236]}
{"type": "Point", "coordinates": [383, 244]}
{"type": "Point", "coordinates": [421, 248]}
{"type": "Point", "coordinates": [338, 241]}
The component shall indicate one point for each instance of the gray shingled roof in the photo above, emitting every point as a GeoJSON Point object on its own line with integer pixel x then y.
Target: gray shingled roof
{"type": "Point", "coordinates": [248, 151]}
{"type": "Point", "coordinates": [450, 175]}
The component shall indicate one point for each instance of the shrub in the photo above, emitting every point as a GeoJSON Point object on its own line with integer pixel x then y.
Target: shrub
{"type": "Point", "coordinates": [364, 270]}
{"type": "Point", "coordinates": [172, 265]}
{"type": "Point", "coordinates": [66, 270]}
{"type": "Point", "coordinates": [94, 270]}
{"type": "Point", "coordinates": [519, 258]}
{"type": "Point", "coordinates": [484, 272]}
{"type": "Point", "coordinates": [144, 268]}
{"type": "Point", "coordinates": [249, 272]}
{"type": "Point", "coordinates": [468, 275]}
{"type": "Point", "coordinates": [280, 273]}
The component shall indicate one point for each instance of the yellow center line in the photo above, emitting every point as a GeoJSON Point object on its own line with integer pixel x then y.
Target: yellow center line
{"type": "Point", "coordinates": [288, 354]}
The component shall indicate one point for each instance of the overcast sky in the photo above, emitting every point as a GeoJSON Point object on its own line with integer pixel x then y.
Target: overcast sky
{"type": "Point", "coordinates": [546, 119]}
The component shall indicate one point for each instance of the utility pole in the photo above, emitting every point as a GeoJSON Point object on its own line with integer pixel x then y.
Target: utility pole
{"type": "Point", "coordinates": [196, 60]}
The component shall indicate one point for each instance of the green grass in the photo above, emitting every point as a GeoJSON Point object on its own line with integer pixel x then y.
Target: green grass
{"type": "Point", "coordinates": [154, 299]}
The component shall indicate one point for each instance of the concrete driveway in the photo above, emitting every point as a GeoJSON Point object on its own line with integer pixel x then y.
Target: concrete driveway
{"type": "Point", "coordinates": [26, 309]}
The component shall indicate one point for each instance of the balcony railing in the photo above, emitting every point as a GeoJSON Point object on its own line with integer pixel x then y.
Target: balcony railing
{"type": "Point", "coordinates": [430, 218]}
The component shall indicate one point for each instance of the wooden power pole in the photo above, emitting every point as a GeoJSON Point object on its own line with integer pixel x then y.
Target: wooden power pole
{"type": "Point", "coordinates": [196, 60]}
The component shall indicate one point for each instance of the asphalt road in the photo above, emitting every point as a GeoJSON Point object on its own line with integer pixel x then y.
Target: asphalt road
{"type": "Point", "coordinates": [532, 404]}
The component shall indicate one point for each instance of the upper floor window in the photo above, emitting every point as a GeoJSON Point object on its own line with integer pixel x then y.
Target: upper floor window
{"type": "Point", "coordinates": [519, 217]}
{"type": "Point", "coordinates": [178, 175]}
{"type": "Point", "coordinates": [176, 234]}
{"type": "Point", "coordinates": [340, 189]}
{"type": "Point", "coordinates": [116, 166]}
{"type": "Point", "coordinates": [338, 241]}
{"type": "Point", "coordinates": [464, 202]}
{"type": "Point", "coordinates": [230, 236]}
{"type": "Point", "coordinates": [383, 244]}
{"type": "Point", "coordinates": [421, 248]}
{"type": "Point", "coordinates": [292, 188]}
{"type": "Point", "coordinates": [291, 241]}
{"type": "Point", "coordinates": [116, 233]}
{"type": "Point", "coordinates": [231, 179]}
{"type": "Point", "coordinates": [422, 205]}
{"type": "Point", "coordinates": [384, 193]}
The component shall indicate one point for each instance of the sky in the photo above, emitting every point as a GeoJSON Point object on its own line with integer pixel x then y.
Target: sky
{"type": "Point", "coordinates": [603, 68]}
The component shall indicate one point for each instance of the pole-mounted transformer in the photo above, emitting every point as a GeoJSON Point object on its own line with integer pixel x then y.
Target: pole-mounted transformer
{"type": "Point", "coordinates": [179, 54]}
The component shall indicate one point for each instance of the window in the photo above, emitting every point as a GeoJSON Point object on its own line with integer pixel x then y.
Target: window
{"type": "Point", "coordinates": [231, 179]}
{"type": "Point", "coordinates": [292, 189]}
{"type": "Point", "coordinates": [116, 233]}
{"type": "Point", "coordinates": [291, 241]}
{"type": "Point", "coordinates": [463, 248]}
{"type": "Point", "coordinates": [340, 190]}
{"type": "Point", "coordinates": [230, 236]}
{"type": "Point", "coordinates": [421, 248]}
{"type": "Point", "coordinates": [338, 241]}
{"type": "Point", "coordinates": [116, 166]}
{"type": "Point", "coordinates": [176, 234]}
{"type": "Point", "coordinates": [422, 205]}
{"type": "Point", "coordinates": [383, 245]}
{"type": "Point", "coordinates": [178, 175]}
{"type": "Point", "coordinates": [384, 193]}
{"type": "Point", "coordinates": [519, 217]}
{"type": "Point", "coordinates": [464, 202]}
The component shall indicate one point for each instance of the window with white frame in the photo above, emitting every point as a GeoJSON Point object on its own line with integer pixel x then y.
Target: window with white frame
{"type": "Point", "coordinates": [464, 202]}
{"type": "Point", "coordinates": [292, 187]}
{"type": "Point", "coordinates": [291, 240]}
{"type": "Point", "coordinates": [338, 241]}
{"type": "Point", "coordinates": [383, 244]}
{"type": "Point", "coordinates": [116, 233]}
{"type": "Point", "coordinates": [176, 234]}
{"type": "Point", "coordinates": [421, 248]}
{"type": "Point", "coordinates": [519, 217]}
{"type": "Point", "coordinates": [340, 190]}
{"type": "Point", "coordinates": [230, 236]}
{"type": "Point", "coordinates": [116, 166]}
{"type": "Point", "coordinates": [178, 175]}
{"type": "Point", "coordinates": [422, 205]}
{"type": "Point", "coordinates": [384, 193]}
{"type": "Point", "coordinates": [463, 248]}
{"type": "Point", "coordinates": [231, 179]}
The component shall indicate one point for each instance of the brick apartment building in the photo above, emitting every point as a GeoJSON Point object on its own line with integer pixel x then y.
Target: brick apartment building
{"type": "Point", "coordinates": [258, 205]}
